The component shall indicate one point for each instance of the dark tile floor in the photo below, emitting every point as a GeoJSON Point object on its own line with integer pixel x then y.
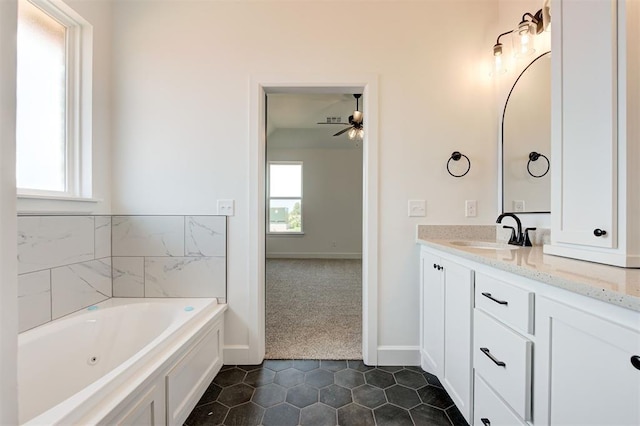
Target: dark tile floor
{"type": "Point", "coordinates": [311, 392]}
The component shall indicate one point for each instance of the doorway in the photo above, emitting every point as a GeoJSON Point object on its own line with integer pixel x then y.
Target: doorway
{"type": "Point", "coordinates": [313, 261]}
{"type": "Point", "coordinates": [260, 85]}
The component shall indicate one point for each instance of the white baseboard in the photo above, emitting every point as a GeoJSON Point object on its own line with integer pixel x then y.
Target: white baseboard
{"type": "Point", "coordinates": [399, 355]}
{"type": "Point", "coordinates": [314, 255]}
{"type": "Point", "coordinates": [236, 355]}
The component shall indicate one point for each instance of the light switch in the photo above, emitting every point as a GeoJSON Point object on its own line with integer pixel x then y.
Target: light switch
{"type": "Point", "coordinates": [471, 208]}
{"type": "Point", "coordinates": [226, 207]}
{"type": "Point", "coordinates": [417, 208]}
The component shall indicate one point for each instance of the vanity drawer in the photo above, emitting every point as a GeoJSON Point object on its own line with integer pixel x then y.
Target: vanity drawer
{"type": "Point", "coordinates": [503, 358]}
{"type": "Point", "coordinates": [510, 304]}
{"type": "Point", "coordinates": [489, 409]}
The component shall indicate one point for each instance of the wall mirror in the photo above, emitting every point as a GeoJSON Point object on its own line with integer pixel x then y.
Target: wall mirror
{"type": "Point", "coordinates": [526, 140]}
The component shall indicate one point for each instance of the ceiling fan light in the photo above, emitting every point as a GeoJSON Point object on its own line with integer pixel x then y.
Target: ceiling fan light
{"type": "Point", "coordinates": [353, 132]}
{"type": "Point", "coordinates": [360, 134]}
{"type": "Point", "coordinates": [357, 117]}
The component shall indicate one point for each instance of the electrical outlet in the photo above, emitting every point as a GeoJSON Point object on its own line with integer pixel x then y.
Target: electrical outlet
{"type": "Point", "coordinates": [417, 208]}
{"type": "Point", "coordinates": [518, 206]}
{"type": "Point", "coordinates": [470, 208]}
{"type": "Point", "coordinates": [226, 207]}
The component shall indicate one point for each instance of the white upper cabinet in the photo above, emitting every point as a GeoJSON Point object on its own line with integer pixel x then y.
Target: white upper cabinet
{"type": "Point", "coordinates": [594, 138]}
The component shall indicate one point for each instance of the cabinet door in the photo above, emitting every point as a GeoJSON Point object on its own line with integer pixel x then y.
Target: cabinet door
{"type": "Point", "coordinates": [584, 374]}
{"type": "Point", "coordinates": [584, 122]}
{"type": "Point", "coordinates": [432, 309]}
{"type": "Point", "coordinates": [458, 306]}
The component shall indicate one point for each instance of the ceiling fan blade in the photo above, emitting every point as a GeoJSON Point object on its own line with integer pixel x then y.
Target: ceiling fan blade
{"type": "Point", "coordinates": [344, 124]}
{"type": "Point", "coordinates": [357, 117]}
{"type": "Point", "coordinates": [343, 131]}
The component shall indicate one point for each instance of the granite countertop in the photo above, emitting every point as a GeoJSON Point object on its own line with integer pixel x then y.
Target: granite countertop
{"type": "Point", "coordinates": [611, 284]}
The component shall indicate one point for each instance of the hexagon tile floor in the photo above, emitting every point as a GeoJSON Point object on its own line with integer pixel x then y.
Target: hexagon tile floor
{"type": "Point", "coordinates": [311, 392]}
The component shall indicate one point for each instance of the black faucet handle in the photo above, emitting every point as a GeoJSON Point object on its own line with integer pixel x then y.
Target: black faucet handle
{"type": "Point", "coordinates": [527, 241]}
{"type": "Point", "coordinates": [513, 239]}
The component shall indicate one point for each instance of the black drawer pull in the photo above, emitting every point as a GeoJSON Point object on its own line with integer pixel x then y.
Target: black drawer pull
{"type": "Point", "coordinates": [492, 358]}
{"type": "Point", "coordinates": [599, 232]}
{"type": "Point", "coordinates": [485, 421]}
{"type": "Point", "coordinates": [635, 361]}
{"type": "Point", "coordinates": [488, 295]}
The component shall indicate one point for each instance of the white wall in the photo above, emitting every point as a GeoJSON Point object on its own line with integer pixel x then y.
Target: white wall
{"type": "Point", "coordinates": [98, 13]}
{"type": "Point", "coordinates": [8, 233]}
{"type": "Point", "coordinates": [332, 191]}
{"type": "Point", "coordinates": [181, 106]}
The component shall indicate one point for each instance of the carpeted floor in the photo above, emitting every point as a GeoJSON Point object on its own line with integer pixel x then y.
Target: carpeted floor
{"type": "Point", "coordinates": [313, 309]}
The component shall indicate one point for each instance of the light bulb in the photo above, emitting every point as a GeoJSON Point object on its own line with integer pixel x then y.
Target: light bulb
{"type": "Point", "coordinates": [352, 133]}
{"type": "Point", "coordinates": [497, 57]}
{"type": "Point", "coordinates": [523, 40]}
{"type": "Point", "coordinates": [360, 133]}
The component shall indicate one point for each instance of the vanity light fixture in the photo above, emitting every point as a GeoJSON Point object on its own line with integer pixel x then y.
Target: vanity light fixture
{"type": "Point", "coordinates": [522, 38]}
{"type": "Point", "coordinates": [499, 67]}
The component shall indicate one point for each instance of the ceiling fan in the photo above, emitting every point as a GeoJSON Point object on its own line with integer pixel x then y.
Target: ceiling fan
{"type": "Point", "coordinates": [355, 122]}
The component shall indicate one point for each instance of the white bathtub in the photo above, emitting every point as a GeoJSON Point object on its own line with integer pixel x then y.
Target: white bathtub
{"type": "Point", "coordinates": [88, 366]}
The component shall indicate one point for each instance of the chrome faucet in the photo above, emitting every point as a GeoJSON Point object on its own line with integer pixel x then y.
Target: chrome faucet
{"type": "Point", "coordinates": [518, 238]}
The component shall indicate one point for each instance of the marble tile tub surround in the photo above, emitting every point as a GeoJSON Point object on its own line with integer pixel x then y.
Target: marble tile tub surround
{"type": "Point", "coordinates": [67, 263]}
{"type": "Point", "coordinates": [64, 264]}
{"type": "Point", "coordinates": [169, 256]}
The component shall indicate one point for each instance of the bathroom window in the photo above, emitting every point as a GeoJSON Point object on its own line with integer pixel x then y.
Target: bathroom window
{"type": "Point", "coordinates": [285, 197]}
{"type": "Point", "coordinates": [53, 100]}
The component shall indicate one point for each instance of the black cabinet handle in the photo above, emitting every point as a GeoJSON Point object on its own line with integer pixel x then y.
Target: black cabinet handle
{"type": "Point", "coordinates": [435, 266]}
{"type": "Point", "coordinates": [492, 358]}
{"type": "Point", "coordinates": [599, 232]}
{"type": "Point", "coordinates": [485, 421]}
{"type": "Point", "coordinates": [635, 361]}
{"type": "Point", "coordinates": [501, 302]}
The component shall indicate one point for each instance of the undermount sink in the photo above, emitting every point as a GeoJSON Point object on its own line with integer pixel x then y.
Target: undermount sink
{"type": "Point", "coordinates": [485, 245]}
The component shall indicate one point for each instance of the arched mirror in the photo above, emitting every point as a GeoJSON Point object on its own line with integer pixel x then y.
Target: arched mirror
{"type": "Point", "coordinates": [526, 140]}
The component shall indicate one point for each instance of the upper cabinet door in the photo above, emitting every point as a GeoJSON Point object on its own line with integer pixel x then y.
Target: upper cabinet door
{"type": "Point", "coordinates": [584, 122]}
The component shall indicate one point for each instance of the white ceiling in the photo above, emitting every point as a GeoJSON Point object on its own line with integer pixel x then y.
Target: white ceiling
{"type": "Point", "coordinates": [304, 111]}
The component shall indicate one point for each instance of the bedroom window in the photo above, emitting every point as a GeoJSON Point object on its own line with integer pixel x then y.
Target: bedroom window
{"type": "Point", "coordinates": [53, 100]}
{"type": "Point", "coordinates": [285, 197]}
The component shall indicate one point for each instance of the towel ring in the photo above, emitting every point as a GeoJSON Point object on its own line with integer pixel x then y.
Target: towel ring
{"type": "Point", "coordinates": [456, 156]}
{"type": "Point", "coordinates": [533, 156]}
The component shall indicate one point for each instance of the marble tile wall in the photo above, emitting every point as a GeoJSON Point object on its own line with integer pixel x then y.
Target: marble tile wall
{"type": "Point", "coordinates": [66, 263]}
{"type": "Point", "coordinates": [169, 256]}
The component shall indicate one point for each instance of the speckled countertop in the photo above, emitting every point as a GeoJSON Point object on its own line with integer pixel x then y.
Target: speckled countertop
{"type": "Point", "coordinates": [619, 286]}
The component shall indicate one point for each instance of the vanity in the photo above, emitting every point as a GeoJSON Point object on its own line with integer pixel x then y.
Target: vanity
{"type": "Point", "coordinates": [520, 337]}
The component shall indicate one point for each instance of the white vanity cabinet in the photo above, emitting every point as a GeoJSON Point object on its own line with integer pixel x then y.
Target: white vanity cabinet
{"type": "Point", "coordinates": [586, 367]}
{"type": "Point", "coordinates": [595, 139]}
{"type": "Point", "coordinates": [446, 325]}
{"type": "Point", "coordinates": [525, 351]}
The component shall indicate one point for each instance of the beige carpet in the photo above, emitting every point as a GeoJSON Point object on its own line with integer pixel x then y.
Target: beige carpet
{"type": "Point", "coordinates": [313, 309]}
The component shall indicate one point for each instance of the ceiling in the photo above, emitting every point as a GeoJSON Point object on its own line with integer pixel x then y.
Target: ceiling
{"type": "Point", "coordinates": [303, 111]}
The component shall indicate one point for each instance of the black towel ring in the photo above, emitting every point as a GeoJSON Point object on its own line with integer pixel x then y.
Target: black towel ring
{"type": "Point", "coordinates": [456, 156]}
{"type": "Point", "coordinates": [533, 156]}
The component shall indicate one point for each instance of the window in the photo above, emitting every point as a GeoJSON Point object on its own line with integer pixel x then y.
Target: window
{"type": "Point", "coordinates": [285, 197]}
{"type": "Point", "coordinates": [53, 105]}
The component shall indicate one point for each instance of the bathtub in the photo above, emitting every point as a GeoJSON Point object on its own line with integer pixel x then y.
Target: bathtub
{"type": "Point", "coordinates": [123, 360]}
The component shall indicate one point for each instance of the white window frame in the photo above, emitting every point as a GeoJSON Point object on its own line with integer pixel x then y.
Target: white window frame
{"type": "Point", "coordinates": [301, 198]}
{"type": "Point", "coordinates": [79, 85]}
